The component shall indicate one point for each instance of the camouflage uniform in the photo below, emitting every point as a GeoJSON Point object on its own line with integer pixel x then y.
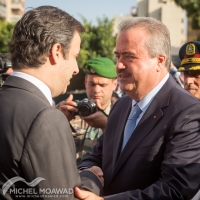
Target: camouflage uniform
{"type": "Point", "coordinates": [85, 136]}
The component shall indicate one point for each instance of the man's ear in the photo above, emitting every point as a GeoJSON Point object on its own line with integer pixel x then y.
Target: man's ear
{"type": "Point", "coordinates": [56, 53]}
{"type": "Point", "coordinates": [161, 61]}
{"type": "Point", "coordinates": [114, 84]}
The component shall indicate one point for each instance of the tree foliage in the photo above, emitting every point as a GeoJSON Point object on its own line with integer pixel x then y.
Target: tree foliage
{"type": "Point", "coordinates": [193, 10]}
{"type": "Point", "coordinates": [6, 30]}
{"type": "Point", "coordinates": [98, 40]}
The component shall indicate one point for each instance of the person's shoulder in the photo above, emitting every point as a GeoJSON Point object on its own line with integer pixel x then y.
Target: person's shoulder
{"type": "Point", "coordinates": [185, 95]}
{"type": "Point", "coordinates": [173, 92]}
{"type": "Point", "coordinates": [49, 117]}
{"type": "Point", "coordinates": [50, 122]}
{"type": "Point", "coordinates": [183, 99]}
{"type": "Point", "coordinates": [51, 113]}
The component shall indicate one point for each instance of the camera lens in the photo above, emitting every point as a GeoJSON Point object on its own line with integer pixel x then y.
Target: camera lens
{"type": "Point", "coordinates": [86, 107]}
{"type": "Point", "coordinates": [84, 110]}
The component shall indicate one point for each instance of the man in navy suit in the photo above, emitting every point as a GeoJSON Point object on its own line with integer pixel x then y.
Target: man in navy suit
{"type": "Point", "coordinates": [161, 159]}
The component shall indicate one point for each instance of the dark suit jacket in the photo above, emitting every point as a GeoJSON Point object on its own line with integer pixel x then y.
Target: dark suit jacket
{"type": "Point", "coordinates": [35, 140]}
{"type": "Point", "coordinates": [162, 157]}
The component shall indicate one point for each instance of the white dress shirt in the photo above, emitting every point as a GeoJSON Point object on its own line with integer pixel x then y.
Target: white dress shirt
{"type": "Point", "coordinates": [38, 83]}
{"type": "Point", "coordinates": [146, 101]}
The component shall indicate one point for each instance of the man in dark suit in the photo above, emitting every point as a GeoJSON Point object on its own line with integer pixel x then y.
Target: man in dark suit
{"type": "Point", "coordinates": [161, 159]}
{"type": "Point", "coordinates": [36, 144]}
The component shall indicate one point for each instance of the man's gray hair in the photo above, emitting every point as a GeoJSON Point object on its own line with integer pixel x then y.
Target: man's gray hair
{"type": "Point", "coordinates": [158, 41]}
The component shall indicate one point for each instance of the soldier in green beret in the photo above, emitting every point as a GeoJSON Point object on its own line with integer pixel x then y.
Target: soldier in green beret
{"type": "Point", "coordinates": [189, 54]}
{"type": "Point", "coordinates": [100, 82]}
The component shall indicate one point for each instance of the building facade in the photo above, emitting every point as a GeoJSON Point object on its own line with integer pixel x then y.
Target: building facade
{"type": "Point", "coordinates": [11, 10]}
{"type": "Point", "coordinates": [193, 34]}
{"type": "Point", "coordinates": [2, 9]}
{"type": "Point", "coordinates": [173, 16]}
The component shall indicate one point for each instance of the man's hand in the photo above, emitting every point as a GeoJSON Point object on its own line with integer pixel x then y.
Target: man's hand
{"type": "Point", "coordinates": [97, 170]}
{"type": "Point", "coordinates": [99, 173]}
{"type": "Point", "coordinates": [98, 120]}
{"type": "Point", "coordinates": [68, 107]}
{"type": "Point", "coordinates": [85, 195]}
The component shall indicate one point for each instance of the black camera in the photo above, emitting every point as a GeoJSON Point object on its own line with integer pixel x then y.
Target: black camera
{"type": "Point", "coordinates": [4, 65]}
{"type": "Point", "coordinates": [86, 107]}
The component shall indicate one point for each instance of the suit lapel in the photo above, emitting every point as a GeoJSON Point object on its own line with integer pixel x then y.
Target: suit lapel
{"type": "Point", "coordinates": [148, 121]}
{"type": "Point", "coordinates": [120, 130]}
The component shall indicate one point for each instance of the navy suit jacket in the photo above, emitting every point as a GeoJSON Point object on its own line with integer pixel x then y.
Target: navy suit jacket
{"type": "Point", "coordinates": [162, 157]}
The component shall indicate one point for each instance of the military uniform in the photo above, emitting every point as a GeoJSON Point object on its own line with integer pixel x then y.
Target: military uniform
{"type": "Point", "coordinates": [190, 63]}
{"type": "Point", "coordinates": [86, 136]}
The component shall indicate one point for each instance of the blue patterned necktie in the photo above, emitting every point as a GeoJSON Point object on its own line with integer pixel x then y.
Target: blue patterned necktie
{"type": "Point", "coordinates": [130, 124]}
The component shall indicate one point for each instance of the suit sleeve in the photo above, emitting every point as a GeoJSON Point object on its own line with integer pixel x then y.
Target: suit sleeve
{"type": "Point", "coordinates": [95, 159]}
{"type": "Point", "coordinates": [49, 152]}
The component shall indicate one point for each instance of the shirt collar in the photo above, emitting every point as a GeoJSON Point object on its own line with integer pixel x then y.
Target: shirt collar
{"type": "Point", "coordinates": [108, 108]}
{"type": "Point", "coordinates": [145, 102]}
{"type": "Point", "coordinates": [38, 83]}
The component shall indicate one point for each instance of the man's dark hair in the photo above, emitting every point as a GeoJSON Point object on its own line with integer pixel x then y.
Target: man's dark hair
{"type": "Point", "coordinates": [37, 31]}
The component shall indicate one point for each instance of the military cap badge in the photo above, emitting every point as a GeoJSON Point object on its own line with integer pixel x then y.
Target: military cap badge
{"type": "Point", "coordinates": [190, 49]}
{"type": "Point", "coordinates": [189, 55]}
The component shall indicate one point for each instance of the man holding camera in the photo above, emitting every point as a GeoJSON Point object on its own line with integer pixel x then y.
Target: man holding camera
{"type": "Point", "coordinates": [100, 82]}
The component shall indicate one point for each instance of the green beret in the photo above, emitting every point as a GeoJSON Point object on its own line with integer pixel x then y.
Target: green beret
{"type": "Point", "coordinates": [102, 67]}
{"type": "Point", "coordinates": [189, 54]}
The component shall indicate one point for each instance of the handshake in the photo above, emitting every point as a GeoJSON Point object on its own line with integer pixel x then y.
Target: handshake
{"type": "Point", "coordinates": [81, 194]}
